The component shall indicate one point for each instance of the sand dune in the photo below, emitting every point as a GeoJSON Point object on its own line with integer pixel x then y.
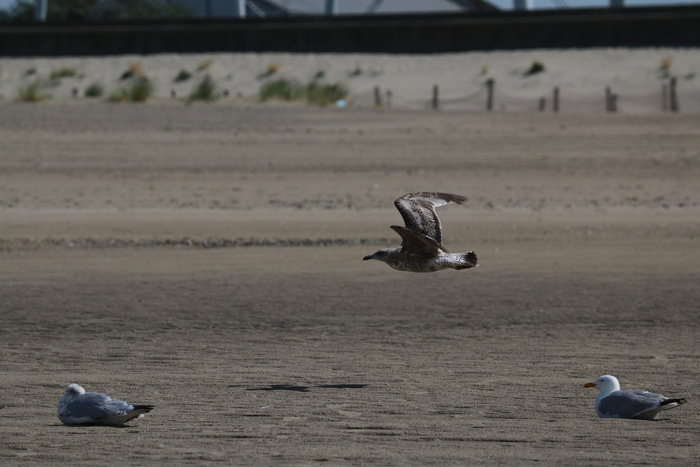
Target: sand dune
{"type": "Point", "coordinates": [636, 75]}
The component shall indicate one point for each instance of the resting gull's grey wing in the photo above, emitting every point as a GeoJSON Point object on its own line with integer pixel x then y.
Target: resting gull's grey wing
{"type": "Point", "coordinates": [629, 403]}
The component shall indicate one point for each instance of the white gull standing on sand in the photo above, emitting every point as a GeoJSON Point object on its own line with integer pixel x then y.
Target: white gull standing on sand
{"type": "Point", "coordinates": [612, 402]}
{"type": "Point", "coordinates": [78, 407]}
{"type": "Point", "coordinates": [421, 249]}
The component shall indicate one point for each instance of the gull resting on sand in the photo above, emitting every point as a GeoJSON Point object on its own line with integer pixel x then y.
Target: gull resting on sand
{"type": "Point", "coordinates": [612, 402]}
{"type": "Point", "coordinates": [78, 407]}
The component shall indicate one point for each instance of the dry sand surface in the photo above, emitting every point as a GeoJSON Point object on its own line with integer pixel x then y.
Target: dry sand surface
{"type": "Point", "coordinates": [208, 260]}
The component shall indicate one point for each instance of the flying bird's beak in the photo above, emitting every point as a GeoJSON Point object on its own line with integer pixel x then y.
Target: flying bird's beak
{"type": "Point", "coordinates": [589, 385]}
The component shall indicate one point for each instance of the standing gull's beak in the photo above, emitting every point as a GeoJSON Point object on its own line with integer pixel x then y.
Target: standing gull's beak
{"type": "Point", "coordinates": [589, 385]}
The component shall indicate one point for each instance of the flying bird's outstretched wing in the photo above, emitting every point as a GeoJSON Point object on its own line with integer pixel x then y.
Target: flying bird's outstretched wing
{"type": "Point", "coordinates": [416, 245]}
{"type": "Point", "coordinates": [421, 247]}
{"type": "Point", "coordinates": [418, 212]}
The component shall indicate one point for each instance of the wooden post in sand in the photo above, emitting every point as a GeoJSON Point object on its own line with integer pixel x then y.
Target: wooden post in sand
{"type": "Point", "coordinates": [555, 100]}
{"type": "Point", "coordinates": [377, 97]}
{"type": "Point", "coordinates": [672, 97]}
{"type": "Point", "coordinates": [489, 94]}
{"type": "Point", "coordinates": [436, 97]}
{"type": "Point", "coordinates": [610, 101]}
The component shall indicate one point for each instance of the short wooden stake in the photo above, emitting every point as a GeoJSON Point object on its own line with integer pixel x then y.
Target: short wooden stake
{"type": "Point", "coordinates": [489, 94]}
{"type": "Point", "coordinates": [610, 100]}
{"type": "Point", "coordinates": [673, 98]}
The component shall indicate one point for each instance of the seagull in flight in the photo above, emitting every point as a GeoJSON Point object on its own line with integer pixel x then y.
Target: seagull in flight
{"type": "Point", "coordinates": [78, 407]}
{"type": "Point", "coordinates": [612, 402]}
{"type": "Point", "coordinates": [421, 249]}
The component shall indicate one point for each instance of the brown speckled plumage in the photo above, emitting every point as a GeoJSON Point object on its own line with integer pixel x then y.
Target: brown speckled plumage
{"type": "Point", "coordinates": [421, 249]}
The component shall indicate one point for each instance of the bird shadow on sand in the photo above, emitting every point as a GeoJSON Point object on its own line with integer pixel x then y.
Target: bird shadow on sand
{"type": "Point", "coordinates": [298, 388]}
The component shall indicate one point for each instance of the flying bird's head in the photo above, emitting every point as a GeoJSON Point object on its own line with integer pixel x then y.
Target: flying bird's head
{"type": "Point", "coordinates": [381, 255]}
{"type": "Point", "coordinates": [605, 384]}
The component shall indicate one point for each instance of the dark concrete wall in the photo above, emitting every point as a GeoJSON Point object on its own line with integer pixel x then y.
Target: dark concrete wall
{"type": "Point", "coordinates": [637, 27]}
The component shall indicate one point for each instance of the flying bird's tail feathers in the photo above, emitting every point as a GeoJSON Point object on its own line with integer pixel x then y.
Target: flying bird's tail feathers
{"type": "Point", "coordinates": [469, 260]}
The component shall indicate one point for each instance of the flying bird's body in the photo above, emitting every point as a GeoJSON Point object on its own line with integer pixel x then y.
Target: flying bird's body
{"type": "Point", "coordinates": [78, 407]}
{"type": "Point", "coordinates": [613, 402]}
{"type": "Point", "coordinates": [421, 249]}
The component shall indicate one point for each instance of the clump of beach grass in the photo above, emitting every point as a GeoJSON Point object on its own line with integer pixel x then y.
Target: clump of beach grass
{"type": "Point", "coordinates": [325, 94]}
{"type": "Point", "coordinates": [357, 71]}
{"type": "Point", "coordinates": [183, 75]}
{"type": "Point", "coordinates": [94, 90]}
{"type": "Point", "coordinates": [63, 72]}
{"type": "Point", "coordinates": [315, 92]}
{"type": "Point", "coordinates": [140, 90]}
{"type": "Point", "coordinates": [204, 91]}
{"type": "Point", "coordinates": [536, 67]}
{"type": "Point", "coordinates": [32, 92]}
{"type": "Point", "coordinates": [283, 88]}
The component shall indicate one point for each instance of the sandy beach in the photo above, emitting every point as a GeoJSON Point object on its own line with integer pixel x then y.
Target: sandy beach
{"type": "Point", "coordinates": [207, 259]}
